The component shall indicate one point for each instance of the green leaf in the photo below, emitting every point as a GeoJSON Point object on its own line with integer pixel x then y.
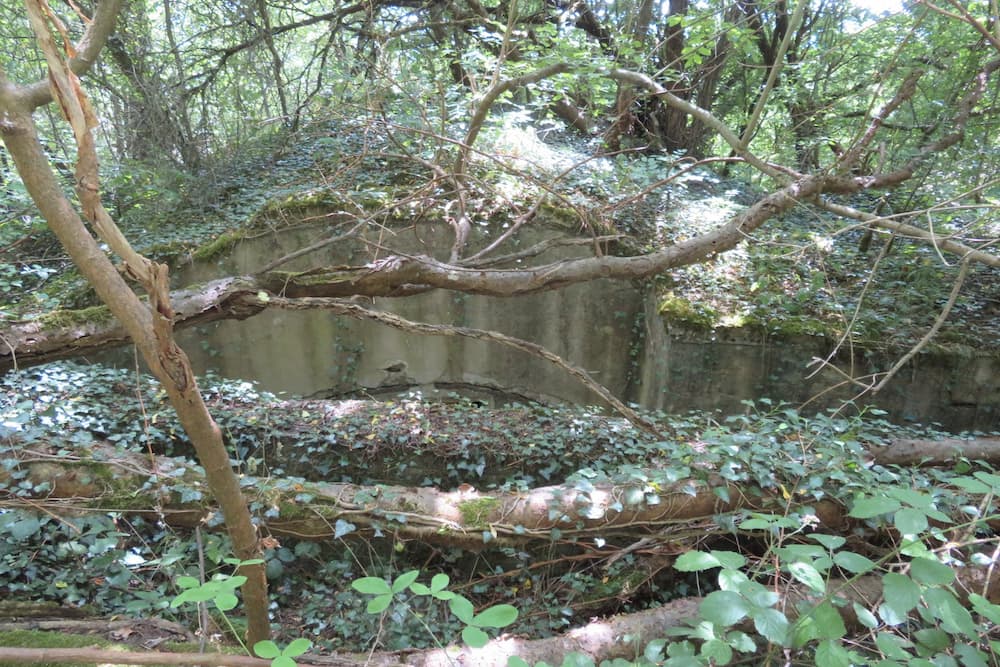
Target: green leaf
{"type": "Point", "coordinates": [853, 563]}
{"type": "Point", "coordinates": [971, 485]}
{"type": "Point", "coordinates": [971, 656]}
{"type": "Point", "coordinates": [831, 542]}
{"type": "Point", "coordinates": [297, 647]}
{"type": "Point", "coordinates": [865, 616]}
{"type": "Point", "coordinates": [497, 616]}
{"type": "Point", "coordinates": [719, 652]}
{"type": "Point", "coordinates": [266, 649]}
{"type": "Point", "coordinates": [931, 572]}
{"type": "Point", "coordinates": [404, 580]}
{"type": "Point", "coordinates": [821, 622]}
{"type": "Point", "coordinates": [226, 601]}
{"type": "Point", "coordinates": [514, 661]}
{"type": "Point", "coordinates": [954, 617]}
{"type": "Point", "coordinates": [866, 508]}
{"type": "Point", "coordinates": [695, 561]}
{"type": "Point", "coordinates": [985, 608]}
{"type": "Point", "coordinates": [187, 582]}
{"type": "Point", "coordinates": [892, 646]}
{"type": "Point", "coordinates": [462, 609]}
{"type": "Point", "coordinates": [439, 582]}
{"type": "Point", "coordinates": [379, 604]}
{"type": "Point", "coordinates": [933, 639]}
{"type": "Point", "coordinates": [772, 624]}
{"type": "Point", "coordinates": [910, 521]}
{"type": "Point", "coordinates": [900, 593]}
{"type": "Point", "coordinates": [830, 653]}
{"type": "Point", "coordinates": [371, 585]}
{"type": "Point", "coordinates": [283, 661]}
{"type": "Point", "coordinates": [474, 637]}
{"type": "Point", "coordinates": [418, 588]}
{"type": "Point", "coordinates": [724, 608]}
{"type": "Point", "coordinates": [808, 575]}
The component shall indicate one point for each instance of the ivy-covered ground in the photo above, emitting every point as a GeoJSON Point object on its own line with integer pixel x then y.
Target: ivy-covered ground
{"type": "Point", "coordinates": [112, 562]}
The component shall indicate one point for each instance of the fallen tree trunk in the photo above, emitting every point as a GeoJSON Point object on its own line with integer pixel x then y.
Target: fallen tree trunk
{"type": "Point", "coordinates": [112, 480]}
{"type": "Point", "coordinates": [911, 452]}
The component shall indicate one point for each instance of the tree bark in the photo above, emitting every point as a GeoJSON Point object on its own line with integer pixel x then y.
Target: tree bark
{"type": "Point", "coordinates": [149, 327]}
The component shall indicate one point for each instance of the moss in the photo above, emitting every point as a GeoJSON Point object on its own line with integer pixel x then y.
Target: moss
{"type": "Point", "coordinates": [676, 309]}
{"type": "Point", "coordinates": [77, 317]}
{"type": "Point", "coordinates": [475, 512]}
{"type": "Point", "coordinates": [222, 242]}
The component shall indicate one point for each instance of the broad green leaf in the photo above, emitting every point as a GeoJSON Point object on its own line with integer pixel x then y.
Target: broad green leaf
{"type": "Point", "coordinates": [931, 572]}
{"type": "Point", "coordinates": [474, 637]}
{"type": "Point", "coordinates": [718, 651]}
{"type": "Point", "coordinates": [187, 582]}
{"type": "Point", "coordinates": [283, 661]}
{"type": "Point", "coordinates": [404, 580]}
{"type": "Point", "coordinates": [853, 563]}
{"type": "Point", "coordinates": [297, 647]}
{"type": "Point", "coordinates": [695, 561]}
{"type": "Point", "coordinates": [724, 608]}
{"type": "Point", "coordinates": [971, 656]}
{"type": "Point", "coordinates": [831, 542]}
{"type": "Point", "coordinates": [371, 585]}
{"type": "Point", "coordinates": [226, 601]}
{"type": "Point", "coordinates": [514, 661]}
{"type": "Point", "coordinates": [462, 608]}
{"type": "Point", "coordinates": [954, 617]}
{"type": "Point", "coordinates": [892, 646]}
{"type": "Point", "coordinates": [865, 617]}
{"type": "Point", "coordinates": [418, 588]}
{"type": "Point", "coordinates": [808, 575]}
{"type": "Point", "coordinates": [821, 622]}
{"type": "Point", "coordinates": [830, 653]}
{"type": "Point", "coordinates": [741, 641]}
{"type": "Point", "coordinates": [866, 508]}
{"type": "Point", "coordinates": [266, 649]}
{"type": "Point", "coordinates": [900, 593]}
{"type": "Point", "coordinates": [497, 616]}
{"type": "Point", "coordinates": [985, 608]}
{"type": "Point", "coordinates": [730, 559]}
{"type": "Point", "coordinates": [772, 624]}
{"type": "Point", "coordinates": [379, 604]}
{"type": "Point", "coordinates": [933, 639]}
{"type": "Point", "coordinates": [971, 485]}
{"type": "Point", "coordinates": [910, 521]}
{"type": "Point", "coordinates": [439, 582]}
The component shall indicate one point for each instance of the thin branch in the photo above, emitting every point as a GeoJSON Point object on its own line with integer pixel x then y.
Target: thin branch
{"type": "Point", "coordinates": [938, 323]}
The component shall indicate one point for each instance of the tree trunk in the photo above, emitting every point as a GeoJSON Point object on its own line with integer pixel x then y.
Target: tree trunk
{"type": "Point", "coordinates": [149, 327]}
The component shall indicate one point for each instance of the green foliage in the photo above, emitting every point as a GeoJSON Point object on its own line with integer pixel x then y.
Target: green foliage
{"type": "Point", "coordinates": [495, 616]}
